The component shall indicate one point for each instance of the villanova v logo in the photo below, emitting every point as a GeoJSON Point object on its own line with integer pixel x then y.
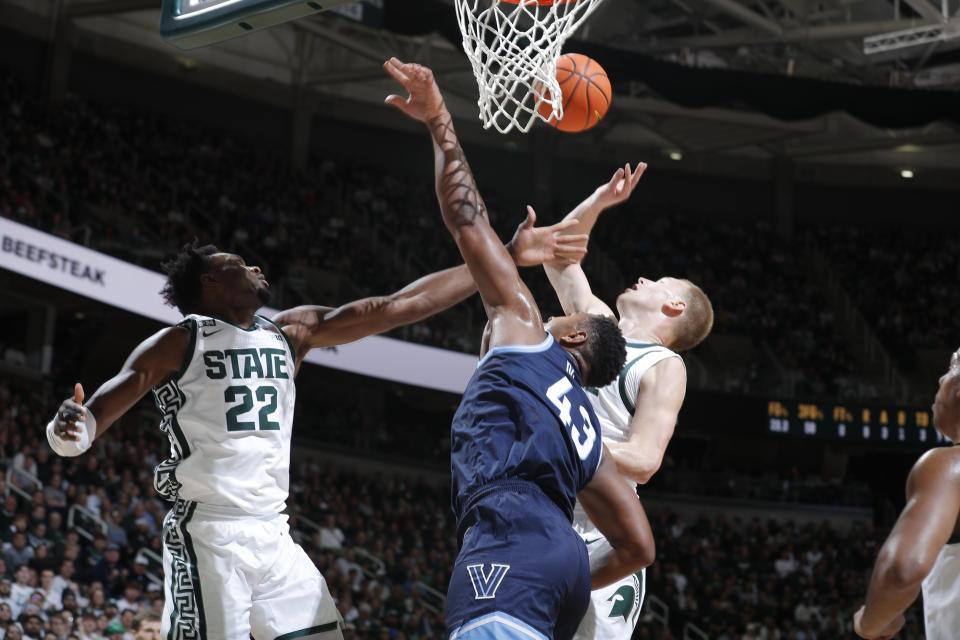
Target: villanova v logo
{"type": "Point", "coordinates": [486, 583]}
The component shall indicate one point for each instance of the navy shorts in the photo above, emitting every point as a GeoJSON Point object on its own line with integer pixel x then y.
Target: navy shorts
{"type": "Point", "coordinates": [522, 572]}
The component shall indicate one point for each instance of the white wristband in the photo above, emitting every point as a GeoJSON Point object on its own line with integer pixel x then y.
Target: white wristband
{"type": "Point", "coordinates": [70, 448]}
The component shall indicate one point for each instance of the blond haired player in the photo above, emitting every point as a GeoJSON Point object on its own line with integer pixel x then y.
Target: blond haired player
{"type": "Point", "coordinates": [224, 381]}
{"type": "Point", "coordinates": [922, 552]}
{"type": "Point", "coordinates": [638, 410]}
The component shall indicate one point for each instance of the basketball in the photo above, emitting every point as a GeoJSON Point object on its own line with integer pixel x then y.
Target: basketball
{"type": "Point", "coordinates": [586, 93]}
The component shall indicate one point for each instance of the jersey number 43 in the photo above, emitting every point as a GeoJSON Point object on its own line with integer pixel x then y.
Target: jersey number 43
{"type": "Point", "coordinates": [584, 435]}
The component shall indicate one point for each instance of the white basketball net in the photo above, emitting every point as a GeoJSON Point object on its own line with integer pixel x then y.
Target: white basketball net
{"type": "Point", "coordinates": [513, 47]}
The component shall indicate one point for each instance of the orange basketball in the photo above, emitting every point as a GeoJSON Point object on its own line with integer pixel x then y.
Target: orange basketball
{"type": "Point", "coordinates": [586, 93]}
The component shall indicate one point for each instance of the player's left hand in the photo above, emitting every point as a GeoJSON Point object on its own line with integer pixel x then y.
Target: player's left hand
{"type": "Point", "coordinates": [620, 186]}
{"type": "Point", "coordinates": [532, 246]}
{"type": "Point", "coordinates": [889, 632]}
{"type": "Point", "coordinates": [425, 101]}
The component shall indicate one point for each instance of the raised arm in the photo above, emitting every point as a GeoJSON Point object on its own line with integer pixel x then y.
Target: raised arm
{"type": "Point", "coordinates": [569, 281]}
{"type": "Point", "coordinates": [657, 403]}
{"type": "Point", "coordinates": [510, 306]}
{"type": "Point", "coordinates": [926, 524]}
{"type": "Point", "coordinates": [78, 424]}
{"type": "Point", "coordinates": [310, 327]}
{"type": "Point", "coordinates": [617, 512]}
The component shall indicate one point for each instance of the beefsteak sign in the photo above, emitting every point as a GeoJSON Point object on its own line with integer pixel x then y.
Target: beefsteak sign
{"type": "Point", "coordinates": [92, 274]}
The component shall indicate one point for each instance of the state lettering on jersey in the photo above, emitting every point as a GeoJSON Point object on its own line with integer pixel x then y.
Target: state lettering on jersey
{"type": "Point", "coordinates": [485, 583]}
{"type": "Point", "coordinates": [246, 364]}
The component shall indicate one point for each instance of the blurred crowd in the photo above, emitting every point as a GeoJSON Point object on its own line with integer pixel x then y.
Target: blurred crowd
{"type": "Point", "coordinates": [81, 543]}
{"type": "Point", "coordinates": [385, 546]}
{"type": "Point", "coordinates": [761, 580]}
{"type": "Point", "coordinates": [756, 280]}
{"type": "Point", "coordinates": [786, 486]}
{"type": "Point", "coordinates": [137, 185]}
{"type": "Point", "coordinates": [902, 281]}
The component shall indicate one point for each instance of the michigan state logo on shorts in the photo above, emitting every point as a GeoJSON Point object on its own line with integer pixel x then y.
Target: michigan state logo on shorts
{"type": "Point", "coordinates": [626, 600]}
{"type": "Point", "coordinates": [486, 582]}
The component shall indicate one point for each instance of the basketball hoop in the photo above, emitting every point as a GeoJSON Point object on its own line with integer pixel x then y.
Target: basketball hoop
{"type": "Point", "coordinates": [513, 46]}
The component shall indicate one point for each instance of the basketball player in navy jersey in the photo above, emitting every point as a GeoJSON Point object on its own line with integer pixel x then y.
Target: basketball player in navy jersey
{"type": "Point", "coordinates": [525, 440]}
{"type": "Point", "coordinates": [922, 552]}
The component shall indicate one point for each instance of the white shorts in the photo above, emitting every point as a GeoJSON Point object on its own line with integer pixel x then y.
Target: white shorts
{"type": "Point", "coordinates": [615, 609]}
{"type": "Point", "coordinates": [228, 577]}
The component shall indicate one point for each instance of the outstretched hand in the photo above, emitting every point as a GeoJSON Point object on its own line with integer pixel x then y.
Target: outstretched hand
{"type": "Point", "coordinates": [620, 186]}
{"type": "Point", "coordinates": [532, 246]}
{"type": "Point", "coordinates": [424, 101]}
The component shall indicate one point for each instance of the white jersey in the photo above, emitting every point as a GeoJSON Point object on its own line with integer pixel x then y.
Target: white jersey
{"type": "Point", "coordinates": [229, 417]}
{"type": "Point", "coordinates": [941, 594]}
{"type": "Point", "coordinates": [614, 405]}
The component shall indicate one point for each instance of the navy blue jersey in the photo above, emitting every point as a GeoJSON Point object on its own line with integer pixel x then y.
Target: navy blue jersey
{"type": "Point", "coordinates": [525, 415]}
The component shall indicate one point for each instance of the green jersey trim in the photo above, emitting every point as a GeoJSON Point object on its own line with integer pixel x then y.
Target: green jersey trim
{"type": "Point", "coordinates": [630, 403]}
{"type": "Point", "coordinates": [286, 338]}
{"type": "Point", "coordinates": [320, 628]}
{"type": "Point", "coordinates": [191, 325]}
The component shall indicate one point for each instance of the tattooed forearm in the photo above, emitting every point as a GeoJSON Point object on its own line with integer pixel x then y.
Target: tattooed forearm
{"type": "Point", "coordinates": [460, 200]}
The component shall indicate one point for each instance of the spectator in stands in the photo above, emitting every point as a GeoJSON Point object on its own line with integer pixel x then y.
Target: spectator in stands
{"type": "Point", "coordinates": [115, 631]}
{"type": "Point", "coordinates": [132, 594]}
{"type": "Point", "coordinates": [147, 627]}
{"type": "Point", "coordinates": [330, 535]}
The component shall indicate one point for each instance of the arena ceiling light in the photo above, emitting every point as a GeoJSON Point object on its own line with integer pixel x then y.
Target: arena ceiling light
{"type": "Point", "coordinates": [906, 174]}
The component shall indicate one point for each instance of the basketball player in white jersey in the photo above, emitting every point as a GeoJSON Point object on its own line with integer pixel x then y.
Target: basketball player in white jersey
{"type": "Point", "coordinates": [922, 552]}
{"type": "Point", "coordinates": [639, 409]}
{"type": "Point", "coordinates": [223, 379]}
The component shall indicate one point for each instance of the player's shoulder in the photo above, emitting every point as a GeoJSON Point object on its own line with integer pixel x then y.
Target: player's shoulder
{"type": "Point", "coordinates": [941, 464]}
{"type": "Point", "coordinates": [179, 334]}
{"type": "Point", "coordinates": [165, 350]}
{"type": "Point", "coordinates": [669, 370]}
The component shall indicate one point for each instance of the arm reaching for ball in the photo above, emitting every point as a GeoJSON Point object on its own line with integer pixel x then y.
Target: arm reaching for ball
{"type": "Point", "coordinates": [514, 316]}
{"type": "Point", "coordinates": [569, 280]}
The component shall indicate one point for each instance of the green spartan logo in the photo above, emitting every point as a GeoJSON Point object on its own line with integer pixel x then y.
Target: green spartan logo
{"type": "Point", "coordinates": [623, 602]}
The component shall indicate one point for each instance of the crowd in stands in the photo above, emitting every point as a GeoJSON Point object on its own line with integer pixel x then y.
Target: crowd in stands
{"type": "Point", "coordinates": [761, 580]}
{"type": "Point", "coordinates": [385, 546]}
{"type": "Point", "coordinates": [79, 175]}
{"type": "Point", "coordinates": [100, 584]}
{"type": "Point", "coordinates": [902, 281]}
{"type": "Point", "coordinates": [788, 486]}
{"type": "Point", "coordinates": [127, 182]}
{"type": "Point", "coordinates": [756, 281]}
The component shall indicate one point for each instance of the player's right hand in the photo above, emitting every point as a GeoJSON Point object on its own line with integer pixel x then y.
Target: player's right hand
{"type": "Point", "coordinates": [532, 246]}
{"type": "Point", "coordinates": [425, 101]}
{"type": "Point", "coordinates": [620, 186]}
{"type": "Point", "coordinates": [71, 412]}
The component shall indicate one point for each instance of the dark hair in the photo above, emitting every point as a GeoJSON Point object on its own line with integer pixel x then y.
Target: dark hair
{"type": "Point", "coordinates": [183, 270]}
{"type": "Point", "coordinates": [605, 351]}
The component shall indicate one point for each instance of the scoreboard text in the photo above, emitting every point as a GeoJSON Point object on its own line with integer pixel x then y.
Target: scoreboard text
{"type": "Point", "coordinates": [909, 426]}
